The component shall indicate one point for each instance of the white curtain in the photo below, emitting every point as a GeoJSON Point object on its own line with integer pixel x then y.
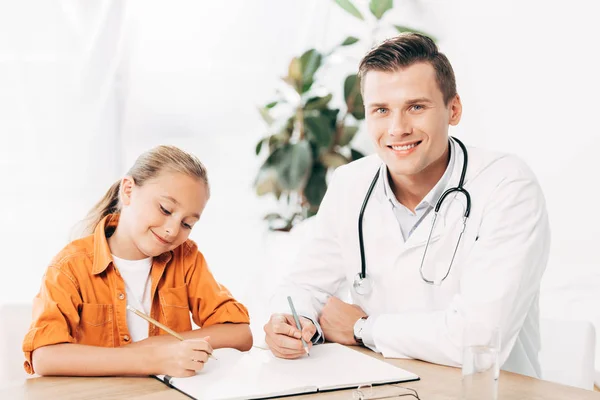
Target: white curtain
{"type": "Point", "coordinates": [60, 123]}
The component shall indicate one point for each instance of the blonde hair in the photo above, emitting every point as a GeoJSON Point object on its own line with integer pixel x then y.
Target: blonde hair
{"type": "Point", "coordinates": [147, 166]}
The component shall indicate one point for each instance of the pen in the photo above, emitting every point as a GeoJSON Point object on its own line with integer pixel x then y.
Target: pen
{"type": "Point", "coordinates": [298, 324]}
{"type": "Point", "coordinates": [161, 326]}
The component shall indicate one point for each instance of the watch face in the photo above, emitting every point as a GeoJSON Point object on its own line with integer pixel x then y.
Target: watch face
{"type": "Point", "coordinates": [358, 327]}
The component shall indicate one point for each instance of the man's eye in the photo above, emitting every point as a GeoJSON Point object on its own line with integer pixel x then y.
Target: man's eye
{"type": "Point", "coordinates": [165, 211]}
{"type": "Point", "coordinates": [381, 110]}
{"type": "Point", "coordinates": [417, 107]}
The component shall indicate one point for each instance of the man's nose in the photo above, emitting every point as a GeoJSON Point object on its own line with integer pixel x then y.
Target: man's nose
{"type": "Point", "coordinates": [399, 125]}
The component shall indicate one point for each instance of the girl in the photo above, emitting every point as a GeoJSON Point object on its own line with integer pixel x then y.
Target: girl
{"type": "Point", "coordinates": [137, 254]}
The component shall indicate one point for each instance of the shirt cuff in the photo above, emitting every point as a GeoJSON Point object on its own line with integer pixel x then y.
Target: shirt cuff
{"type": "Point", "coordinates": [367, 333]}
{"type": "Point", "coordinates": [318, 337]}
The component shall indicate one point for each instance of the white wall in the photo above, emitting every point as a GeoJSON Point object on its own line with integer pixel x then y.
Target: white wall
{"type": "Point", "coordinates": [191, 73]}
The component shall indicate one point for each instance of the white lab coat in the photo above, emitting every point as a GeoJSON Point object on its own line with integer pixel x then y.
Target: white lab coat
{"type": "Point", "coordinates": [495, 278]}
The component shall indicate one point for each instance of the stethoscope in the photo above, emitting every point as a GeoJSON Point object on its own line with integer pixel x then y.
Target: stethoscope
{"type": "Point", "coordinates": [362, 282]}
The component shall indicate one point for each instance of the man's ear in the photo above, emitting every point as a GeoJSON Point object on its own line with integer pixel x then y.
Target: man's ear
{"type": "Point", "coordinates": [127, 184]}
{"type": "Point", "coordinates": [455, 108]}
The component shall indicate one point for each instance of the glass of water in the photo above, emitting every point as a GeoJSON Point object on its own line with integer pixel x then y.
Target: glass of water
{"type": "Point", "coordinates": [481, 366]}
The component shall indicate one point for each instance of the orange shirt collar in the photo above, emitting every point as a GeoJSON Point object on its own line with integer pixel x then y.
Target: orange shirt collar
{"type": "Point", "coordinates": [102, 254]}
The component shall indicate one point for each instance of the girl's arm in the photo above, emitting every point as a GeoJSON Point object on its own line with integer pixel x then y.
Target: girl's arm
{"type": "Point", "coordinates": [237, 336]}
{"type": "Point", "coordinates": [213, 307]}
{"type": "Point", "coordinates": [177, 358]}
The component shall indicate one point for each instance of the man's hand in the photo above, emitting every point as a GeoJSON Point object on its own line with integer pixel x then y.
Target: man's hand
{"type": "Point", "coordinates": [337, 321]}
{"type": "Point", "coordinates": [283, 338]}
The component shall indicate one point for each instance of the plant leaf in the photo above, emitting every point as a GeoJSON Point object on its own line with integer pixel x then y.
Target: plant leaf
{"type": "Point", "coordinates": [401, 29]}
{"type": "Point", "coordinates": [349, 40]}
{"type": "Point", "coordinates": [292, 163]}
{"type": "Point", "coordinates": [379, 7]}
{"type": "Point", "coordinates": [266, 180]}
{"type": "Point", "coordinates": [272, 216]}
{"type": "Point", "coordinates": [310, 62]}
{"type": "Point", "coordinates": [351, 8]}
{"type": "Point", "coordinates": [316, 186]}
{"type": "Point", "coordinates": [295, 70]}
{"type": "Point", "coordinates": [266, 116]}
{"type": "Point", "coordinates": [318, 102]}
{"type": "Point", "coordinates": [259, 146]}
{"type": "Point", "coordinates": [354, 100]}
{"type": "Point", "coordinates": [277, 140]}
{"type": "Point", "coordinates": [331, 159]}
{"type": "Point", "coordinates": [347, 135]}
{"type": "Point", "coordinates": [271, 105]}
{"type": "Point", "coordinates": [356, 154]}
{"type": "Point", "coordinates": [319, 129]}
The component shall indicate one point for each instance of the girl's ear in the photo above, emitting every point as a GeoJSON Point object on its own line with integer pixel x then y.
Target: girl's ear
{"type": "Point", "coordinates": [127, 184]}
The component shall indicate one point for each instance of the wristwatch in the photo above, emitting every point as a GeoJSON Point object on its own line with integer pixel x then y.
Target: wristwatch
{"type": "Point", "coordinates": [358, 329]}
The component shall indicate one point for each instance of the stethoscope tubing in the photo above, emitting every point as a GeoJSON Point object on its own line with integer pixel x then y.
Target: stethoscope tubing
{"type": "Point", "coordinates": [460, 189]}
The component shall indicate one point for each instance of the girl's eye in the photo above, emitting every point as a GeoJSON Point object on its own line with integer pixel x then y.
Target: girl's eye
{"type": "Point", "coordinates": [186, 226]}
{"type": "Point", "coordinates": [164, 210]}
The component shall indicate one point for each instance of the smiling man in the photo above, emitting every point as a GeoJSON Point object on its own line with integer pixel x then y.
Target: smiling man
{"type": "Point", "coordinates": [424, 238]}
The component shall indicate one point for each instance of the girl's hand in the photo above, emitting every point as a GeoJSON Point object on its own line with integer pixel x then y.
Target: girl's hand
{"type": "Point", "coordinates": [182, 358]}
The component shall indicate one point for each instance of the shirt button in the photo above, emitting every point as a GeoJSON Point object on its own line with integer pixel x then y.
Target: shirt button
{"type": "Point", "coordinates": [126, 338]}
{"type": "Point", "coordinates": [121, 296]}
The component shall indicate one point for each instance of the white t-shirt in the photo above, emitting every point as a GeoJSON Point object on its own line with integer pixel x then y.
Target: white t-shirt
{"type": "Point", "coordinates": [136, 274]}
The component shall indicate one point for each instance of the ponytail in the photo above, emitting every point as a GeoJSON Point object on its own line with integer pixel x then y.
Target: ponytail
{"type": "Point", "coordinates": [109, 204]}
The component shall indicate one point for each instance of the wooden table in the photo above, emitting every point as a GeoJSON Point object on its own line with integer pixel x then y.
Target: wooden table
{"type": "Point", "coordinates": [437, 383]}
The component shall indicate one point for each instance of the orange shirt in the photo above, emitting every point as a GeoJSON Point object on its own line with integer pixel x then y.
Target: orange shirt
{"type": "Point", "coordinates": [83, 297]}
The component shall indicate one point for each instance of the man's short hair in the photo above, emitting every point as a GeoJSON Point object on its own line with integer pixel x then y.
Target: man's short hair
{"type": "Point", "coordinates": [405, 50]}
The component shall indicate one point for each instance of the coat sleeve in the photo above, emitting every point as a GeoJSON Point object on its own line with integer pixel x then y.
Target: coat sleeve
{"type": "Point", "coordinates": [318, 270]}
{"type": "Point", "coordinates": [500, 281]}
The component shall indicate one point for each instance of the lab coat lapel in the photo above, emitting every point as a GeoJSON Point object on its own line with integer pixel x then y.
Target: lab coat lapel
{"type": "Point", "coordinates": [381, 231]}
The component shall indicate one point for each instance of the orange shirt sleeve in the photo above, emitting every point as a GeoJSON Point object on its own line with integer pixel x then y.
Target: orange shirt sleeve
{"type": "Point", "coordinates": [210, 302]}
{"type": "Point", "coordinates": [55, 315]}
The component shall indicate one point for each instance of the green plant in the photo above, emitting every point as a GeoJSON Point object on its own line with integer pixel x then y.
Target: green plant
{"type": "Point", "coordinates": [308, 137]}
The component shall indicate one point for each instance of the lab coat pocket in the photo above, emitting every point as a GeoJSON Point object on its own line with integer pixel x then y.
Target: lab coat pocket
{"type": "Point", "coordinates": [96, 325]}
{"type": "Point", "coordinates": [176, 309]}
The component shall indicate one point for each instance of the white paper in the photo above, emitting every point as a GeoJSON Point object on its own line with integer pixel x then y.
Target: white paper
{"type": "Point", "coordinates": [258, 374]}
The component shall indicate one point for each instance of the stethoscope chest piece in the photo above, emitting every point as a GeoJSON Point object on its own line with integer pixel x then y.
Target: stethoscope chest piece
{"type": "Point", "coordinates": [362, 286]}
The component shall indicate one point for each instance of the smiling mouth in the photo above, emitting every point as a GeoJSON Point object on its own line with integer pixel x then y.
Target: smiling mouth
{"type": "Point", "coordinates": [163, 241]}
{"type": "Point", "coordinates": [404, 147]}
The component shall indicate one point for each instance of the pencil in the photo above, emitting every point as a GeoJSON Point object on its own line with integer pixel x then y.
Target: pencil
{"type": "Point", "coordinates": [295, 315]}
{"type": "Point", "coordinates": [161, 326]}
